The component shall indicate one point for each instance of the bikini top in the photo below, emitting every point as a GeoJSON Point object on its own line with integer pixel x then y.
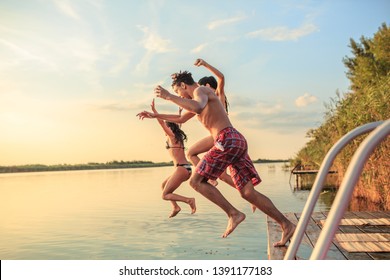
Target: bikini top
{"type": "Point", "coordinates": [172, 147]}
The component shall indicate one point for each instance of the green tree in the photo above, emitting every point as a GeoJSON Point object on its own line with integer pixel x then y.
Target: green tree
{"type": "Point", "coordinates": [368, 99]}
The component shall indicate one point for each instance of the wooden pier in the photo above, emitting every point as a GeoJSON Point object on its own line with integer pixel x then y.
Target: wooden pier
{"type": "Point", "coordinates": [300, 172]}
{"type": "Point", "coordinates": [360, 236]}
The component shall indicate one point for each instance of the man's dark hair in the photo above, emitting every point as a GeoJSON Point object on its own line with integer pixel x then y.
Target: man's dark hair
{"type": "Point", "coordinates": [213, 84]}
{"type": "Point", "coordinates": [185, 77]}
{"type": "Point", "coordinates": [209, 80]}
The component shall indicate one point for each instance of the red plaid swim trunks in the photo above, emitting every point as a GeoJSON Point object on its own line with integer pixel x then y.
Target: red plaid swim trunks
{"type": "Point", "coordinates": [230, 150]}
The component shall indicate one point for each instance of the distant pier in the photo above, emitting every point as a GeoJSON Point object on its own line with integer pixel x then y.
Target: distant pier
{"type": "Point", "coordinates": [300, 172]}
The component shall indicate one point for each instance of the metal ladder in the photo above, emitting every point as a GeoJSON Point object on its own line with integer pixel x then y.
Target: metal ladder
{"type": "Point", "coordinates": [380, 130]}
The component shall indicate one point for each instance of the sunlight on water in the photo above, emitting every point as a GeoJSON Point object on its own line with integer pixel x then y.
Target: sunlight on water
{"type": "Point", "coordinates": [119, 214]}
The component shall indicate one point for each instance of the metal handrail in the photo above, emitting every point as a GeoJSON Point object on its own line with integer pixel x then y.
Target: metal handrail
{"type": "Point", "coordinates": [318, 183]}
{"type": "Point", "coordinates": [347, 186]}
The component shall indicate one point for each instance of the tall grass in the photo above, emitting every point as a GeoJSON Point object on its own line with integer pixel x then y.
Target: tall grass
{"type": "Point", "coordinates": [367, 101]}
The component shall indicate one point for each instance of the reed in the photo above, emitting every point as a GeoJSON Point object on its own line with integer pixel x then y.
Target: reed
{"type": "Point", "coordinates": [367, 101]}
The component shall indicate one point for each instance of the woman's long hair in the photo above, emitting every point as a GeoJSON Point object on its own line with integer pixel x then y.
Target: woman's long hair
{"type": "Point", "coordinates": [180, 136]}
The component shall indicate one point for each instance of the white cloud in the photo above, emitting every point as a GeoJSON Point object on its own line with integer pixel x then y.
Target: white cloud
{"type": "Point", "coordinates": [199, 48]}
{"type": "Point", "coordinates": [149, 87]}
{"type": "Point", "coordinates": [143, 65]}
{"type": "Point", "coordinates": [98, 4]}
{"type": "Point", "coordinates": [283, 33]}
{"type": "Point", "coordinates": [153, 42]}
{"type": "Point", "coordinates": [119, 63]}
{"type": "Point", "coordinates": [19, 51]}
{"type": "Point", "coordinates": [304, 100]}
{"type": "Point", "coordinates": [66, 8]}
{"type": "Point", "coordinates": [24, 54]}
{"type": "Point", "coordinates": [263, 108]}
{"type": "Point", "coordinates": [133, 106]}
{"type": "Point", "coordinates": [280, 121]}
{"type": "Point", "coordinates": [273, 115]}
{"type": "Point", "coordinates": [218, 23]}
{"type": "Point", "coordinates": [266, 109]}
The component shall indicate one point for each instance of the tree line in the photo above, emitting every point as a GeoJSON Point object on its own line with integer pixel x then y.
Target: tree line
{"type": "Point", "coordinates": [95, 165]}
{"type": "Point", "coordinates": [88, 166]}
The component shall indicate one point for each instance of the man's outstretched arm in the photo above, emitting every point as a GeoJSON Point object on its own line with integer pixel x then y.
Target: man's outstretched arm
{"type": "Point", "coordinates": [195, 105]}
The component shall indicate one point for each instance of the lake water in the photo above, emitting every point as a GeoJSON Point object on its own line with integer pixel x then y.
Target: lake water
{"type": "Point", "coordinates": [119, 215]}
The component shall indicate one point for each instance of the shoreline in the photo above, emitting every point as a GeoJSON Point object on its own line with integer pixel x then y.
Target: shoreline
{"type": "Point", "coordinates": [96, 166]}
{"type": "Point", "coordinates": [75, 167]}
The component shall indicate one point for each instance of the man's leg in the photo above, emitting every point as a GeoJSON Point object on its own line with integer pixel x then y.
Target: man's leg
{"type": "Point", "coordinates": [262, 202]}
{"type": "Point", "coordinates": [200, 184]}
{"type": "Point", "coordinates": [228, 180]}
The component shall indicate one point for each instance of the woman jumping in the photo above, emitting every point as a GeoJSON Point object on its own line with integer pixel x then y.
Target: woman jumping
{"type": "Point", "coordinates": [182, 167]}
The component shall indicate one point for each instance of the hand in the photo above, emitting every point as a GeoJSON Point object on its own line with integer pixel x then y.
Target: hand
{"type": "Point", "coordinates": [153, 107]}
{"type": "Point", "coordinates": [199, 62]}
{"type": "Point", "coordinates": [162, 93]}
{"type": "Point", "coordinates": [145, 114]}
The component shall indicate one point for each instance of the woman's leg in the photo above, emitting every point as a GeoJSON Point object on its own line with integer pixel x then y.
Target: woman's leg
{"type": "Point", "coordinates": [178, 177]}
{"type": "Point", "coordinates": [175, 207]}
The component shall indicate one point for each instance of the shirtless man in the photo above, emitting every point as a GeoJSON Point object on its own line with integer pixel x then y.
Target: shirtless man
{"type": "Point", "coordinates": [230, 150]}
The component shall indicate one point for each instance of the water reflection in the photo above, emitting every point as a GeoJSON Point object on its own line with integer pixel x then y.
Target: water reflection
{"type": "Point", "coordinates": [119, 214]}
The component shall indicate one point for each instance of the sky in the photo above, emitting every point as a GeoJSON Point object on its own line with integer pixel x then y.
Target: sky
{"type": "Point", "coordinates": [74, 73]}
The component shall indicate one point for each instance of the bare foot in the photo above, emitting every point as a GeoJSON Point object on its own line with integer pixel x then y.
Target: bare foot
{"type": "Point", "coordinates": [214, 183]}
{"type": "Point", "coordinates": [286, 235]}
{"type": "Point", "coordinates": [175, 211]}
{"type": "Point", "coordinates": [234, 221]}
{"type": "Point", "coordinates": [192, 205]}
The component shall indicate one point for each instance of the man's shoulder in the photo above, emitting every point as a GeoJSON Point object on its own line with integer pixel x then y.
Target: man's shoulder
{"type": "Point", "coordinates": [203, 90]}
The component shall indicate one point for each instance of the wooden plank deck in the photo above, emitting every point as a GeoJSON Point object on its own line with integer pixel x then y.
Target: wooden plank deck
{"type": "Point", "coordinates": [360, 236]}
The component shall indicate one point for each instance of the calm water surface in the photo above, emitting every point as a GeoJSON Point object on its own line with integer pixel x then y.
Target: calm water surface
{"type": "Point", "coordinates": [119, 214]}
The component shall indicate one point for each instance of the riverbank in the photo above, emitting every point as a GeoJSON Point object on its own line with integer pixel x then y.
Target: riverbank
{"type": "Point", "coordinates": [94, 165]}
{"type": "Point", "coordinates": [87, 166]}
